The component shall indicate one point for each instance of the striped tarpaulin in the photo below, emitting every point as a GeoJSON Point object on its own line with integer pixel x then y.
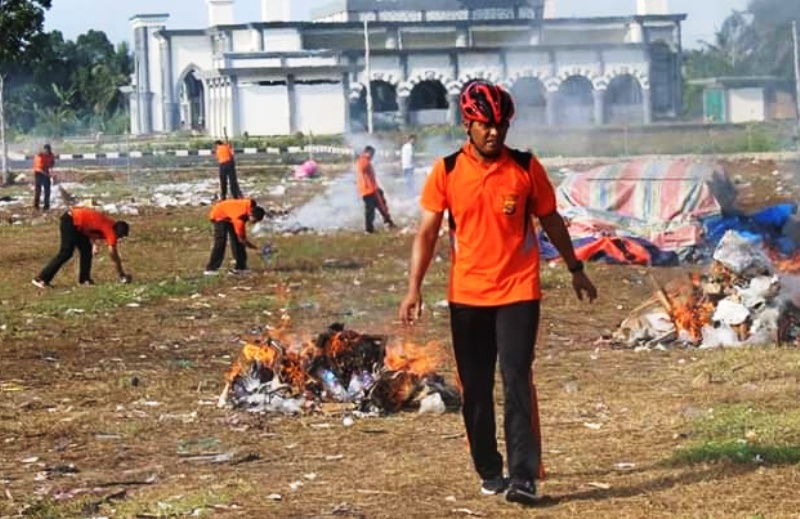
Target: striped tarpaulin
{"type": "Point", "coordinates": [661, 201]}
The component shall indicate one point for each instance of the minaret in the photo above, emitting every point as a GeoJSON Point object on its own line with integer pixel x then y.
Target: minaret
{"type": "Point", "coordinates": [645, 7]}
{"type": "Point", "coordinates": [549, 9]}
{"type": "Point", "coordinates": [220, 12]}
{"type": "Point", "coordinates": [276, 11]}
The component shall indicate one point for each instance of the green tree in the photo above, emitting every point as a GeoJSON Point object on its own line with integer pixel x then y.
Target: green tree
{"type": "Point", "coordinates": [21, 21]}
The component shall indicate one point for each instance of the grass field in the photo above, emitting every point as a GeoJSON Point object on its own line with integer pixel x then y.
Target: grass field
{"type": "Point", "coordinates": [108, 393]}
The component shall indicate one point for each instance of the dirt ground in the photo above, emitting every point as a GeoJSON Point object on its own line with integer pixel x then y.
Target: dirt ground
{"type": "Point", "coordinates": [108, 394]}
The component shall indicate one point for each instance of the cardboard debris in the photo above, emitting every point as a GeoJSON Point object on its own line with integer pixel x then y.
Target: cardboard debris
{"type": "Point", "coordinates": [743, 298]}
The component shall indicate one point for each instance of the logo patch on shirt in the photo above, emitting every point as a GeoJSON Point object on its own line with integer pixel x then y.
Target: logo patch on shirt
{"type": "Point", "coordinates": [510, 204]}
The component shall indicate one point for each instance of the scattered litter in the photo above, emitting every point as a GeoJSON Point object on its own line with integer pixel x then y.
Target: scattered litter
{"type": "Point", "coordinates": [467, 511]}
{"type": "Point", "coordinates": [602, 486]}
{"type": "Point", "coordinates": [334, 457]}
{"type": "Point", "coordinates": [28, 461]}
{"type": "Point", "coordinates": [275, 497]}
{"type": "Point", "coordinates": [625, 466]}
{"type": "Point", "coordinates": [294, 485]}
{"type": "Point", "coordinates": [594, 426]}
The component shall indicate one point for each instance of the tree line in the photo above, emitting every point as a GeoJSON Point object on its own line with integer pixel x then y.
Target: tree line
{"type": "Point", "coordinates": [62, 87]}
{"type": "Point", "coordinates": [753, 42]}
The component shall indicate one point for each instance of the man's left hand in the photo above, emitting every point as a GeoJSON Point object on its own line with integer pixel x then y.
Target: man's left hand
{"type": "Point", "coordinates": [583, 286]}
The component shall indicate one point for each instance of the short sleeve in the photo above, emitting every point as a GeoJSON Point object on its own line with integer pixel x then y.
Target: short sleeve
{"type": "Point", "coordinates": [543, 196]}
{"type": "Point", "coordinates": [434, 192]}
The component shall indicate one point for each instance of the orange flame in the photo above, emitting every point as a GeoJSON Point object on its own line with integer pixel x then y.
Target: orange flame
{"type": "Point", "coordinates": [417, 359]}
{"type": "Point", "coordinates": [690, 308]}
{"type": "Point", "coordinates": [261, 353]}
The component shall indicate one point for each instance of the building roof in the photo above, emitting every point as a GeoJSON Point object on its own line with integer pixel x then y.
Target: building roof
{"type": "Point", "coordinates": [435, 5]}
{"type": "Point", "coordinates": [740, 81]}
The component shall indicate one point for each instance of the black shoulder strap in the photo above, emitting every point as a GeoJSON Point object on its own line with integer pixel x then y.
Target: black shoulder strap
{"type": "Point", "coordinates": [450, 162]}
{"type": "Point", "coordinates": [449, 166]}
{"type": "Point", "coordinates": [523, 158]}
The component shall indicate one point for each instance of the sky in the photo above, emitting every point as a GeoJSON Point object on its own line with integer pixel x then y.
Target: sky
{"type": "Point", "coordinates": [74, 17]}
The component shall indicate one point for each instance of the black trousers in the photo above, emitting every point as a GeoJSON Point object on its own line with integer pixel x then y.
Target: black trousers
{"type": "Point", "coordinates": [373, 202]}
{"type": "Point", "coordinates": [481, 335]}
{"type": "Point", "coordinates": [227, 175]}
{"type": "Point", "coordinates": [71, 239]}
{"type": "Point", "coordinates": [223, 231]}
{"type": "Point", "coordinates": [41, 187]}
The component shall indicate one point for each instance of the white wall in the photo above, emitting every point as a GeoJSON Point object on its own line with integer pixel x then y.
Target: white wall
{"type": "Point", "coordinates": [422, 64]}
{"type": "Point", "coordinates": [243, 41]}
{"type": "Point", "coordinates": [528, 62]}
{"type": "Point", "coordinates": [190, 50]}
{"type": "Point", "coordinates": [746, 105]}
{"type": "Point", "coordinates": [474, 64]}
{"type": "Point", "coordinates": [320, 108]}
{"type": "Point", "coordinates": [282, 40]}
{"type": "Point", "coordinates": [617, 60]}
{"type": "Point", "coordinates": [264, 110]}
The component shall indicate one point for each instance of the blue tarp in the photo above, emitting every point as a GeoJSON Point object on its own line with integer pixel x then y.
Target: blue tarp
{"type": "Point", "coordinates": [764, 226]}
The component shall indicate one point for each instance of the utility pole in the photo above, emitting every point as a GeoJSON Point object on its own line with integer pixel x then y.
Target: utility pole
{"type": "Point", "coordinates": [368, 74]}
{"type": "Point", "coordinates": [5, 177]}
{"type": "Point", "coordinates": [796, 78]}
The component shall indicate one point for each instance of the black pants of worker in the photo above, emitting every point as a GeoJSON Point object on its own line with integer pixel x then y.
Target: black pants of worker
{"type": "Point", "coordinates": [71, 239]}
{"type": "Point", "coordinates": [373, 202]}
{"type": "Point", "coordinates": [227, 175]}
{"type": "Point", "coordinates": [481, 335]}
{"type": "Point", "coordinates": [223, 231]}
{"type": "Point", "coordinates": [41, 187]}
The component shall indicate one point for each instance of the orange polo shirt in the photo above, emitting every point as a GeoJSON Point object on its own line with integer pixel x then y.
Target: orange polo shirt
{"type": "Point", "coordinates": [365, 176]}
{"type": "Point", "coordinates": [235, 211]}
{"type": "Point", "coordinates": [42, 162]}
{"type": "Point", "coordinates": [495, 253]}
{"type": "Point", "coordinates": [224, 153]}
{"type": "Point", "coordinates": [94, 224]}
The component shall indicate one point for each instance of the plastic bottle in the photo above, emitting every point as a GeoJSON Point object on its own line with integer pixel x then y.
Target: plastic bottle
{"type": "Point", "coordinates": [332, 385]}
{"type": "Point", "coordinates": [355, 389]}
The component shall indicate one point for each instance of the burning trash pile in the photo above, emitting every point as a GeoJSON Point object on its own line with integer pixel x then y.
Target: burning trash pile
{"type": "Point", "coordinates": [355, 371]}
{"type": "Point", "coordinates": [745, 298]}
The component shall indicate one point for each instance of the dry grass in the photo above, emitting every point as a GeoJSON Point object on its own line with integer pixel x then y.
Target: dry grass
{"type": "Point", "coordinates": [110, 411]}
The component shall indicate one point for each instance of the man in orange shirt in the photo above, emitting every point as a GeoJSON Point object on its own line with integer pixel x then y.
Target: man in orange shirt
{"type": "Point", "coordinates": [492, 193]}
{"type": "Point", "coordinates": [230, 218]}
{"type": "Point", "coordinates": [370, 192]}
{"type": "Point", "coordinates": [227, 170]}
{"type": "Point", "coordinates": [43, 163]}
{"type": "Point", "coordinates": [80, 227]}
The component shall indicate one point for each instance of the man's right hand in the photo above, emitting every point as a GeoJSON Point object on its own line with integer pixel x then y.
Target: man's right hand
{"type": "Point", "coordinates": [411, 308]}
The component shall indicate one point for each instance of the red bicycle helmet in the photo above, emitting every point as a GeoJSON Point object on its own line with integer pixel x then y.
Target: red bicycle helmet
{"type": "Point", "coordinates": [486, 102]}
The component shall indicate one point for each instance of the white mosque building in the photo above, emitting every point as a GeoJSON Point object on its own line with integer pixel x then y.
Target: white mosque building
{"type": "Point", "coordinates": [280, 76]}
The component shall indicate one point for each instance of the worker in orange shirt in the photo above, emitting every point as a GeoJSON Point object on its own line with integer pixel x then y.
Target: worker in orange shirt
{"type": "Point", "coordinates": [80, 228]}
{"type": "Point", "coordinates": [227, 170]}
{"type": "Point", "coordinates": [370, 191]}
{"type": "Point", "coordinates": [230, 219]}
{"type": "Point", "coordinates": [43, 163]}
{"type": "Point", "coordinates": [492, 194]}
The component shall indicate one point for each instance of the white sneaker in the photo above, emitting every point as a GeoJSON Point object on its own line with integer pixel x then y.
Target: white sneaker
{"type": "Point", "coordinates": [38, 283]}
{"type": "Point", "coordinates": [210, 272]}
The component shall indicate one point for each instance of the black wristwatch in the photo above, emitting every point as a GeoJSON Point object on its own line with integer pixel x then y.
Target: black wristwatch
{"type": "Point", "coordinates": [577, 267]}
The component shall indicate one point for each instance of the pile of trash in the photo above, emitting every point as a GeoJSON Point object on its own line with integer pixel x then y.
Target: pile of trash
{"type": "Point", "coordinates": [359, 372]}
{"type": "Point", "coordinates": [745, 298]}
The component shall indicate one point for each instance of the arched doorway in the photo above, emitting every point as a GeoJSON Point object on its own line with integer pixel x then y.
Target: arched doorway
{"type": "Point", "coordinates": [624, 100]}
{"type": "Point", "coordinates": [576, 102]}
{"type": "Point", "coordinates": [427, 103]}
{"type": "Point", "coordinates": [193, 103]}
{"type": "Point", "coordinates": [530, 97]}
{"type": "Point", "coordinates": [385, 110]}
